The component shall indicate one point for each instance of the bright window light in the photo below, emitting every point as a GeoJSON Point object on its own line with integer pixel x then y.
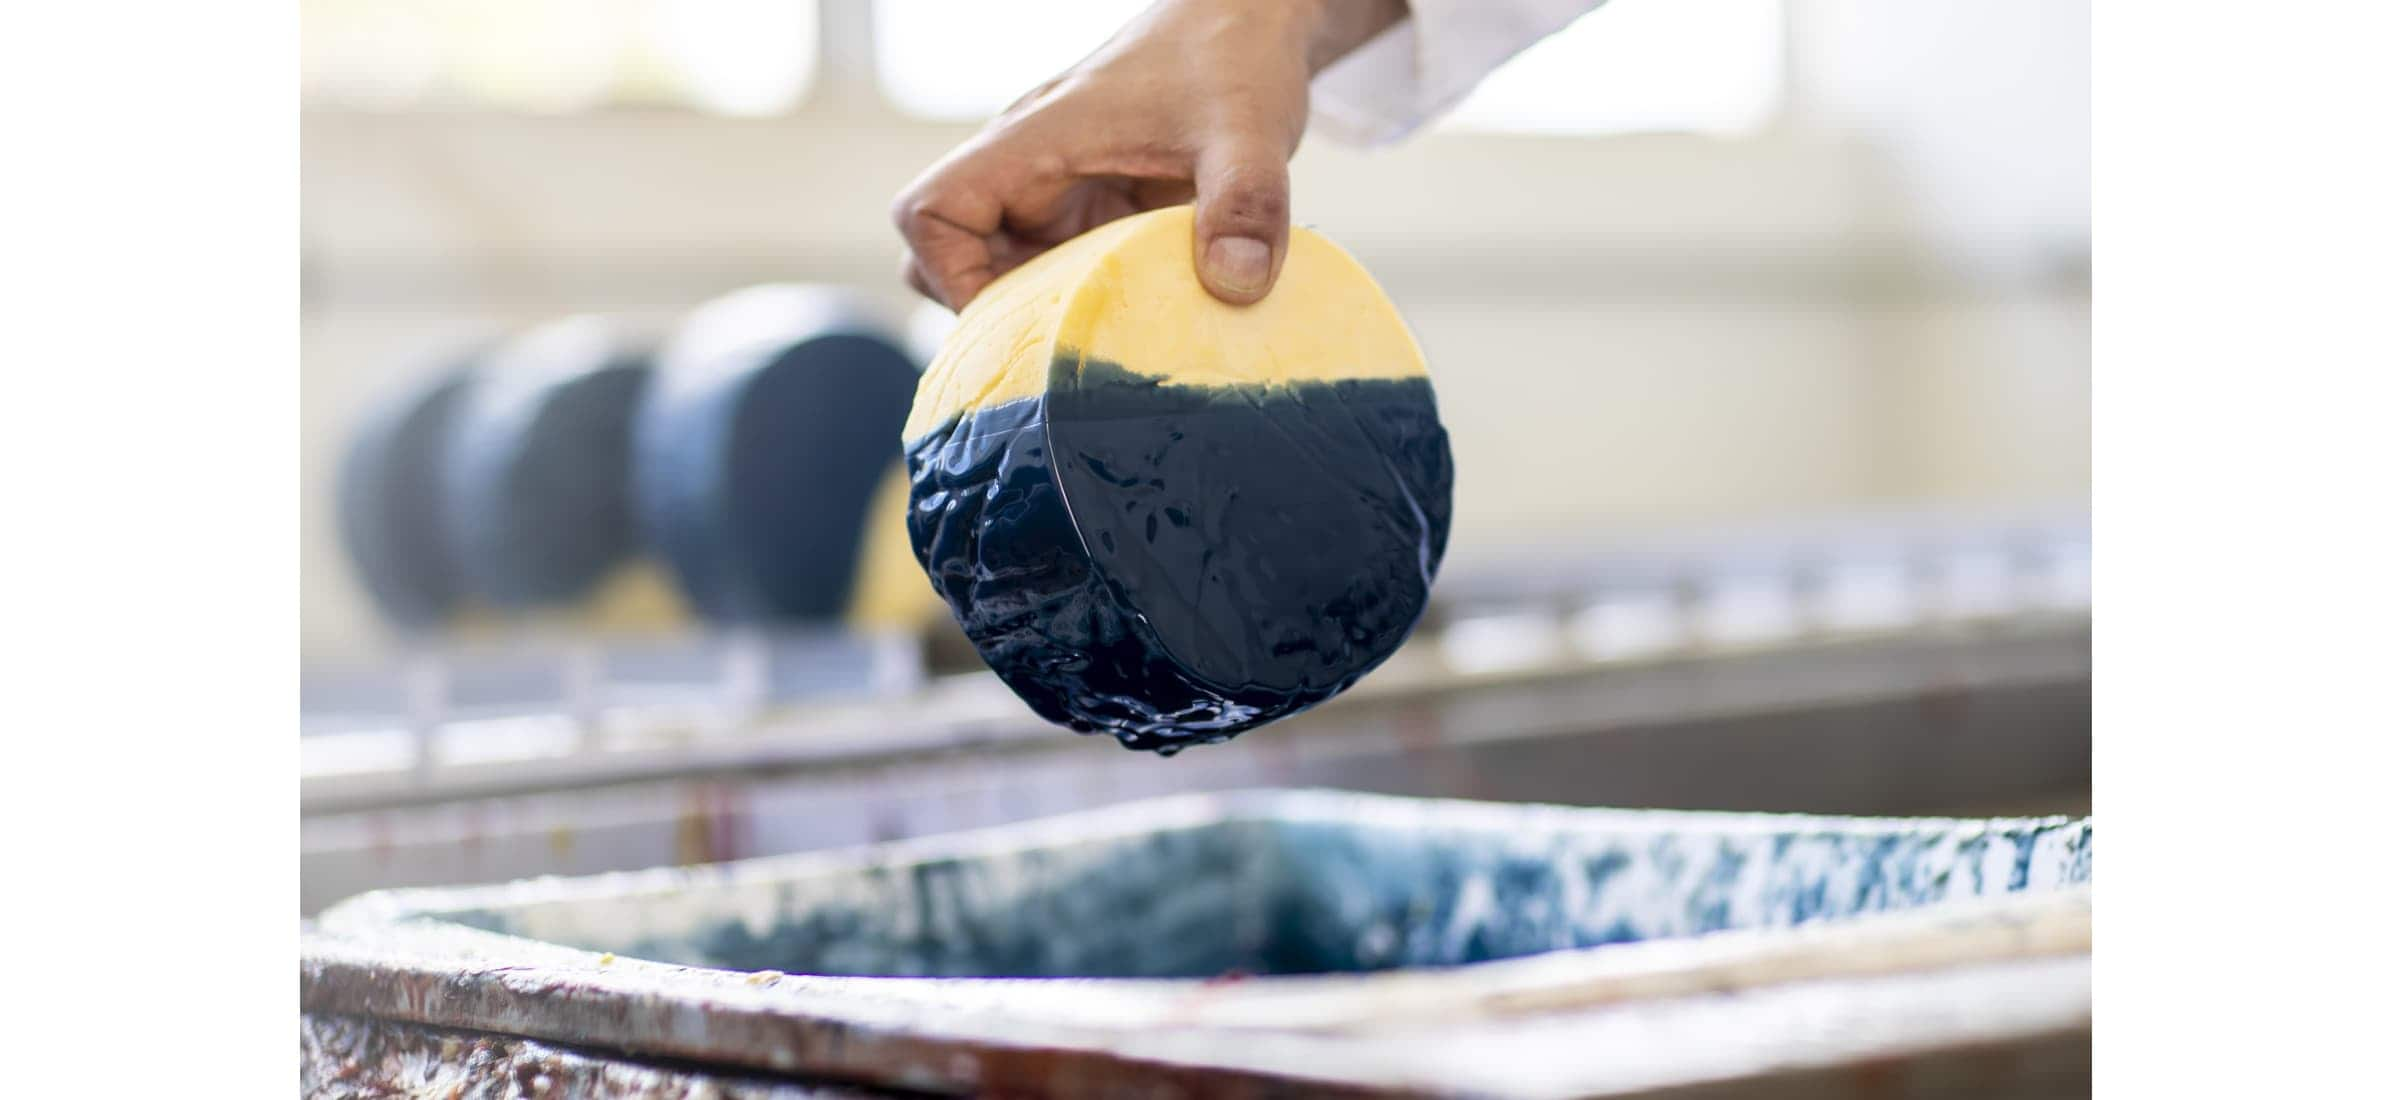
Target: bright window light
{"type": "Point", "coordinates": [1642, 66]}
{"type": "Point", "coordinates": [739, 57]}
{"type": "Point", "coordinates": [1705, 66]}
{"type": "Point", "coordinates": [965, 60]}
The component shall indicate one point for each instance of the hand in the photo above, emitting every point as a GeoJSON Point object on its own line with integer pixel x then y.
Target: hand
{"type": "Point", "coordinates": [1195, 99]}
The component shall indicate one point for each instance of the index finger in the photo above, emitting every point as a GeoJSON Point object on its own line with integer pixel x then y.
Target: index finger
{"type": "Point", "coordinates": [947, 228]}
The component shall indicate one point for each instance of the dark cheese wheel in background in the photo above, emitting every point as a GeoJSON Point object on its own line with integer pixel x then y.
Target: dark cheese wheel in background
{"type": "Point", "coordinates": [1166, 518]}
{"type": "Point", "coordinates": [768, 472]}
{"type": "Point", "coordinates": [392, 523]}
{"type": "Point", "coordinates": [536, 476]}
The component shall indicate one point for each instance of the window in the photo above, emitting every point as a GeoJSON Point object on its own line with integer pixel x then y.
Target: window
{"type": "Point", "coordinates": [965, 61]}
{"type": "Point", "coordinates": [740, 57]}
{"type": "Point", "coordinates": [1631, 66]}
{"type": "Point", "coordinates": [1713, 66]}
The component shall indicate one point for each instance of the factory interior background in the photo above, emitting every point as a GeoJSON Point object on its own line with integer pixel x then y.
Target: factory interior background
{"type": "Point", "coordinates": [1691, 264]}
{"type": "Point", "coordinates": [1762, 332]}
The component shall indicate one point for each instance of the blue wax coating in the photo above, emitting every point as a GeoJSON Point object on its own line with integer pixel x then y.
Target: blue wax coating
{"type": "Point", "coordinates": [1174, 565]}
{"type": "Point", "coordinates": [391, 519]}
{"type": "Point", "coordinates": [754, 477]}
{"type": "Point", "coordinates": [538, 499]}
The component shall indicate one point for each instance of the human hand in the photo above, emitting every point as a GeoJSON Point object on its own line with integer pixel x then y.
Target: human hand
{"type": "Point", "coordinates": [1194, 99]}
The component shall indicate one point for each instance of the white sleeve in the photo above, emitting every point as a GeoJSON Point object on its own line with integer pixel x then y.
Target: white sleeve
{"type": "Point", "coordinates": [1423, 66]}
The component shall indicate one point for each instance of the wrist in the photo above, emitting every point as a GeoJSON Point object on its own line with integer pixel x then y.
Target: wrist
{"type": "Point", "coordinates": [1335, 28]}
{"type": "Point", "coordinates": [1316, 32]}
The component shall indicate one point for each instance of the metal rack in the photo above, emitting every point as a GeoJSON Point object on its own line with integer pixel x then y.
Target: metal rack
{"type": "Point", "coordinates": [1870, 667]}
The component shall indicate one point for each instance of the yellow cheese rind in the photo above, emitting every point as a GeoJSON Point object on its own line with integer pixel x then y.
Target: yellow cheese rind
{"type": "Point", "coordinates": [1127, 293]}
{"type": "Point", "coordinates": [1004, 340]}
{"type": "Point", "coordinates": [634, 600]}
{"type": "Point", "coordinates": [889, 591]}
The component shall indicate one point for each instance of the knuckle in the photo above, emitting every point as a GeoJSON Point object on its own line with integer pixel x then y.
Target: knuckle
{"type": "Point", "coordinates": [1248, 200]}
{"type": "Point", "coordinates": [1264, 203]}
{"type": "Point", "coordinates": [1046, 164]}
{"type": "Point", "coordinates": [909, 212]}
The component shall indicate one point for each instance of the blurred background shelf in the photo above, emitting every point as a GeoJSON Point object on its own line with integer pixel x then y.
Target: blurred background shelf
{"type": "Point", "coordinates": [1707, 674]}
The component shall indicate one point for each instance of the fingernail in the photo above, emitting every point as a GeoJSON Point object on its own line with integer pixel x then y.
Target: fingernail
{"type": "Point", "coordinates": [1242, 264]}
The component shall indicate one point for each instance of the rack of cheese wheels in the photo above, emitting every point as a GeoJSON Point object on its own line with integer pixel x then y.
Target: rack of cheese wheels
{"type": "Point", "coordinates": [578, 520]}
{"type": "Point", "coordinates": [766, 584]}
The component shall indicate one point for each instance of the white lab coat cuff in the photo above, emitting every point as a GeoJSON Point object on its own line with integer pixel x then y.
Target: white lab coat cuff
{"type": "Point", "coordinates": [1425, 65]}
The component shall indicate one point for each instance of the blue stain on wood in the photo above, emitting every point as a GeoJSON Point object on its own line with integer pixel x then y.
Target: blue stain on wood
{"type": "Point", "coordinates": [1311, 896]}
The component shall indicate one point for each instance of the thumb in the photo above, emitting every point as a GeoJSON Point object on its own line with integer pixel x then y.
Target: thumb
{"type": "Point", "coordinates": [1241, 218]}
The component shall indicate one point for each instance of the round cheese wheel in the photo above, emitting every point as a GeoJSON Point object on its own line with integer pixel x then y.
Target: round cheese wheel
{"type": "Point", "coordinates": [1166, 518]}
{"type": "Point", "coordinates": [388, 492]}
{"type": "Point", "coordinates": [768, 474]}
{"type": "Point", "coordinates": [536, 474]}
